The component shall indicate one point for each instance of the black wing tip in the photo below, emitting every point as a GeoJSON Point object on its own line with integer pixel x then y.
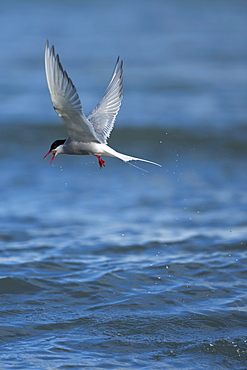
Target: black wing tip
{"type": "Point", "coordinates": [121, 65]}
{"type": "Point", "coordinates": [50, 50]}
{"type": "Point", "coordinates": [57, 60]}
{"type": "Point", "coordinates": [118, 67]}
{"type": "Point", "coordinates": [121, 62]}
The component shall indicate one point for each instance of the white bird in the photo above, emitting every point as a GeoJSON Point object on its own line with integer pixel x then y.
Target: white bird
{"type": "Point", "coordinates": [87, 135]}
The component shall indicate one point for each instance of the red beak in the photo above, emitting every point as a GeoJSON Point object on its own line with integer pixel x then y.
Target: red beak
{"type": "Point", "coordinates": [53, 156]}
{"type": "Point", "coordinates": [47, 154]}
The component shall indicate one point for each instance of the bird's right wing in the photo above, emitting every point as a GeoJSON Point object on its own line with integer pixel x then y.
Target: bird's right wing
{"type": "Point", "coordinates": [65, 99]}
{"type": "Point", "coordinates": [104, 114]}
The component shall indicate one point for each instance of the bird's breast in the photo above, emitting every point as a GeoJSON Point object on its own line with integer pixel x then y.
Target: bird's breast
{"type": "Point", "coordinates": [82, 148]}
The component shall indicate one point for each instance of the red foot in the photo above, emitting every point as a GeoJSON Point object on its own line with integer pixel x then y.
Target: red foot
{"type": "Point", "coordinates": [101, 162]}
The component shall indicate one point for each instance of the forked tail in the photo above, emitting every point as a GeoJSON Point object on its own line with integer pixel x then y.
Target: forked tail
{"type": "Point", "coordinates": [126, 158]}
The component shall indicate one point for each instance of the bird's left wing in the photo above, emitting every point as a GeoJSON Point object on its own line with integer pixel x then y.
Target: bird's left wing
{"type": "Point", "coordinates": [65, 99]}
{"type": "Point", "coordinates": [104, 114]}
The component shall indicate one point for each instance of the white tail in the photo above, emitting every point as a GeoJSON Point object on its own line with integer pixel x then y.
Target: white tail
{"type": "Point", "coordinates": [126, 158]}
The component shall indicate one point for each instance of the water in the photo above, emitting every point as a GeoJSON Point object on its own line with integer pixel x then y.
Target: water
{"type": "Point", "coordinates": [120, 268]}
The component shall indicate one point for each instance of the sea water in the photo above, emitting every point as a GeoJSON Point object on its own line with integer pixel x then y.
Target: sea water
{"type": "Point", "coordinates": [118, 268]}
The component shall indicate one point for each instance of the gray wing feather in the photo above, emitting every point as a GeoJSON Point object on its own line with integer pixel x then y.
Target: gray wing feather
{"type": "Point", "coordinates": [104, 114]}
{"type": "Point", "coordinates": [65, 99]}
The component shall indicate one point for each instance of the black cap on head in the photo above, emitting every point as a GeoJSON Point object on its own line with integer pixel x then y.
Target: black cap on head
{"type": "Point", "coordinates": [56, 144]}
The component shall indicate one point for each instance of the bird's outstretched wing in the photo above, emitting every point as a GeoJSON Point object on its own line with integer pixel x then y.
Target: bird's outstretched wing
{"type": "Point", "coordinates": [65, 99]}
{"type": "Point", "coordinates": [104, 114]}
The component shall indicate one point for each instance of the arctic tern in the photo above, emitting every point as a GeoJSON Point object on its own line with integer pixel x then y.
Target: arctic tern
{"type": "Point", "coordinates": [87, 135]}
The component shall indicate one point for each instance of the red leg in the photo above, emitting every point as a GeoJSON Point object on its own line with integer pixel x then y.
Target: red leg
{"type": "Point", "coordinates": [101, 162]}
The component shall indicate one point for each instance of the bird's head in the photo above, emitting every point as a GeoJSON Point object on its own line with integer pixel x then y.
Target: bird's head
{"type": "Point", "coordinates": [54, 149]}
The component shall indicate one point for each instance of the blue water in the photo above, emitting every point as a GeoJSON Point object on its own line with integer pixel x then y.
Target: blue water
{"type": "Point", "coordinates": [118, 268]}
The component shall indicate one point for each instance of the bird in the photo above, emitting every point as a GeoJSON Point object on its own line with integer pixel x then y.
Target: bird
{"type": "Point", "coordinates": [87, 135]}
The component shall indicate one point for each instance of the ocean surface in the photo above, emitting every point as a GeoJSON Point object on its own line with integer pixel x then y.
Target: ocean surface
{"type": "Point", "coordinates": [119, 267]}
